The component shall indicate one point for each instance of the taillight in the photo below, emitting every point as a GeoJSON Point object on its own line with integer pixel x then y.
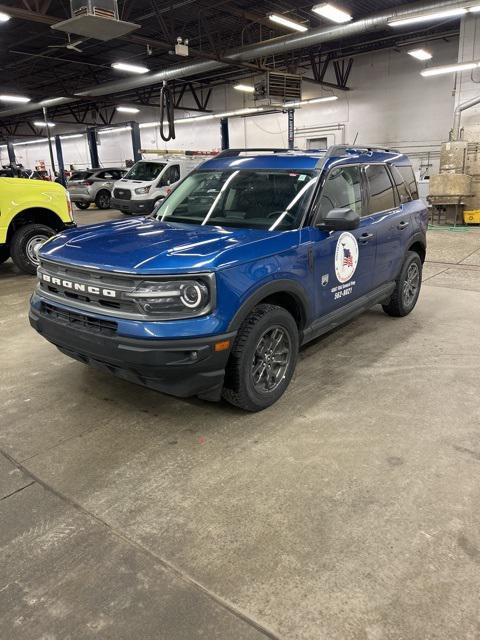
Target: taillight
{"type": "Point", "coordinates": [86, 183]}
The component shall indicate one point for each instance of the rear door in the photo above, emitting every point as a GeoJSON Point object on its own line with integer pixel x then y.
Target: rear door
{"type": "Point", "coordinates": [390, 221]}
{"type": "Point", "coordinates": [344, 261]}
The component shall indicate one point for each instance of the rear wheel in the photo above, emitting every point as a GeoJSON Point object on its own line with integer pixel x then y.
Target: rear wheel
{"type": "Point", "coordinates": [103, 199]}
{"type": "Point", "coordinates": [82, 205]}
{"type": "Point", "coordinates": [263, 358]}
{"type": "Point", "coordinates": [26, 243]}
{"type": "Point", "coordinates": [4, 253]}
{"type": "Point", "coordinates": [407, 290]}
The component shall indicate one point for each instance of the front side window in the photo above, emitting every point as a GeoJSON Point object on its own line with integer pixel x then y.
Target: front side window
{"type": "Point", "coordinates": [342, 189]}
{"type": "Point", "coordinates": [171, 175]}
{"type": "Point", "coordinates": [382, 197]}
{"type": "Point", "coordinates": [255, 199]}
{"type": "Point", "coordinates": [145, 171]}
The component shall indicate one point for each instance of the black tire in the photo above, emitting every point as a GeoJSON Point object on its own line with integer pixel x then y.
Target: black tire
{"type": "Point", "coordinates": [407, 290]}
{"type": "Point", "coordinates": [23, 243]}
{"type": "Point", "coordinates": [102, 200]}
{"type": "Point", "coordinates": [240, 388]}
{"type": "Point", "coordinates": [82, 205]}
{"type": "Point", "coordinates": [4, 253]}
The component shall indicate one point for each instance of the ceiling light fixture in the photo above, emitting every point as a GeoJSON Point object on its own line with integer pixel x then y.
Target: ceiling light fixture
{"type": "Point", "coordinates": [128, 110]}
{"type": "Point", "coordinates": [4, 17]}
{"type": "Point", "coordinates": [247, 88]}
{"type": "Point", "coordinates": [449, 68]}
{"type": "Point", "coordinates": [131, 68]}
{"type": "Point", "coordinates": [5, 98]}
{"type": "Point", "coordinates": [301, 103]}
{"type": "Point", "coordinates": [331, 12]}
{"type": "Point", "coordinates": [51, 100]}
{"type": "Point", "coordinates": [286, 22]}
{"type": "Point", "coordinates": [420, 54]}
{"type": "Point", "coordinates": [475, 9]}
{"type": "Point", "coordinates": [428, 17]}
{"type": "Point", "coordinates": [40, 123]}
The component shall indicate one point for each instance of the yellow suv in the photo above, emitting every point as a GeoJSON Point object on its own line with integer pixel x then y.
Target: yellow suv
{"type": "Point", "coordinates": [31, 211]}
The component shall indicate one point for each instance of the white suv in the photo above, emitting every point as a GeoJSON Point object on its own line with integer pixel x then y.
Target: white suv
{"type": "Point", "coordinates": [149, 181]}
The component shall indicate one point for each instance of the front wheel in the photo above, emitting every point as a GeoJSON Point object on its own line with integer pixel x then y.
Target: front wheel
{"type": "Point", "coordinates": [26, 243]}
{"type": "Point", "coordinates": [263, 358]}
{"type": "Point", "coordinates": [407, 290]}
{"type": "Point", "coordinates": [82, 205]}
{"type": "Point", "coordinates": [103, 200]}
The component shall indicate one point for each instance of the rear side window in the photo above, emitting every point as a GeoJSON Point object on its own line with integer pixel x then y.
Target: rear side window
{"type": "Point", "coordinates": [342, 188]}
{"type": "Point", "coordinates": [380, 189]}
{"type": "Point", "coordinates": [409, 178]}
{"type": "Point", "coordinates": [402, 188]}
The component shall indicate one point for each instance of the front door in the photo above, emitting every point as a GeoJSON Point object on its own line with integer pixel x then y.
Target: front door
{"type": "Point", "coordinates": [344, 261]}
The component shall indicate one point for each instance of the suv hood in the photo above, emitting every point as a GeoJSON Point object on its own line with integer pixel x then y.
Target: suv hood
{"type": "Point", "coordinates": [144, 245]}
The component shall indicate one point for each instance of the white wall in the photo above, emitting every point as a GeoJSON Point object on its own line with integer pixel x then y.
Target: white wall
{"type": "Point", "coordinates": [468, 82]}
{"type": "Point", "coordinates": [389, 104]}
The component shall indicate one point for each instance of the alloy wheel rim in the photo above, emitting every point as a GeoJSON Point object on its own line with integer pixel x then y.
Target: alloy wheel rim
{"type": "Point", "coordinates": [411, 284]}
{"type": "Point", "coordinates": [271, 359]}
{"type": "Point", "coordinates": [33, 247]}
{"type": "Point", "coordinates": [104, 201]}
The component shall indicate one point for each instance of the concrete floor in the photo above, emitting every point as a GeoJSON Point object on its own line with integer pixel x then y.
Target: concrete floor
{"type": "Point", "coordinates": [349, 510]}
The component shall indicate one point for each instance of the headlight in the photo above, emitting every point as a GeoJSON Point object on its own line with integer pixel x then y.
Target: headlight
{"type": "Point", "coordinates": [142, 190]}
{"type": "Point", "coordinates": [182, 298]}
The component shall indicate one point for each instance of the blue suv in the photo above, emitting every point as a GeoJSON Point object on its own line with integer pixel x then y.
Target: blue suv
{"type": "Point", "coordinates": [254, 254]}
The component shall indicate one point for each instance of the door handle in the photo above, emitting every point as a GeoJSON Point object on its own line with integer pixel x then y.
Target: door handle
{"type": "Point", "coordinates": [365, 237]}
{"type": "Point", "coordinates": [402, 225]}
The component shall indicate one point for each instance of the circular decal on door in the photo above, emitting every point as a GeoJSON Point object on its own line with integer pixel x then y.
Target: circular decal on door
{"type": "Point", "coordinates": [346, 257]}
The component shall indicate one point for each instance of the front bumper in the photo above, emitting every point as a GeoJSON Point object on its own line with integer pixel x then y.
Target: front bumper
{"type": "Point", "coordinates": [182, 368]}
{"type": "Point", "coordinates": [133, 206]}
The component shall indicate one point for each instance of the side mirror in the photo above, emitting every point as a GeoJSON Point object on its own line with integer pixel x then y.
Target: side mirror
{"type": "Point", "coordinates": [339, 220]}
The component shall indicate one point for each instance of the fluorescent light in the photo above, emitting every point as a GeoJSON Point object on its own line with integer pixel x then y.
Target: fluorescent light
{"type": "Point", "coordinates": [301, 103]}
{"type": "Point", "coordinates": [420, 54]}
{"type": "Point", "coordinates": [475, 9]}
{"type": "Point", "coordinates": [4, 17]}
{"type": "Point", "coordinates": [5, 98]}
{"type": "Point", "coordinates": [274, 17]}
{"type": "Point", "coordinates": [132, 68]}
{"type": "Point", "coordinates": [128, 109]}
{"type": "Point", "coordinates": [331, 12]}
{"type": "Point", "coordinates": [40, 123]}
{"type": "Point", "coordinates": [51, 100]}
{"type": "Point", "coordinates": [114, 130]}
{"type": "Point", "coordinates": [38, 141]}
{"type": "Point", "coordinates": [450, 68]}
{"type": "Point", "coordinates": [244, 87]}
{"type": "Point", "coordinates": [427, 17]}
{"type": "Point", "coordinates": [72, 136]}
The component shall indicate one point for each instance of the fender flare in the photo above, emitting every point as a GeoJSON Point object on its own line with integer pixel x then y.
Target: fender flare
{"type": "Point", "coordinates": [420, 238]}
{"type": "Point", "coordinates": [264, 291]}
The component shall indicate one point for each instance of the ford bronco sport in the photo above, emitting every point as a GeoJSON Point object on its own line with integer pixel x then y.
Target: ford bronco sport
{"type": "Point", "coordinates": [254, 254]}
{"type": "Point", "coordinates": [31, 211]}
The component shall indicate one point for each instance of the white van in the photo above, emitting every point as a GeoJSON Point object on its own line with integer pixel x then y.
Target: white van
{"type": "Point", "coordinates": [149, 181]}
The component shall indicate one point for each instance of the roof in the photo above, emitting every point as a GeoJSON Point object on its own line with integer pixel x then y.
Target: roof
{"type": "Point", "coordinates": [298, 160]}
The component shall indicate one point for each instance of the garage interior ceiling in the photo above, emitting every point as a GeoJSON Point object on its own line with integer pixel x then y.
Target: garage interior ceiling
{"type": "Point", "coordinates": [30, 66]}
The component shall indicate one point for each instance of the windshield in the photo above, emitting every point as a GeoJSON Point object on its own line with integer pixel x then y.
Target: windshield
{"type": "Point", "coordinates": [147, 171]}
{"type": "Point", "coordinates": [257, 199]}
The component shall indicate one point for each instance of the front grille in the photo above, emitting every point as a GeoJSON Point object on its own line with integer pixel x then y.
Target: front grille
{"type": "Point", "coordinates": [99, 291]}
{"type": "Point", "coordinates": [122, 194]}
{"type": "Point", "coordinates": [79, 320]}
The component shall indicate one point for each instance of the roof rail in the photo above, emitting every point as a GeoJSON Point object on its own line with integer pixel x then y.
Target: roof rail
{"type": "Point", "coordinates": [343, 149]}
{"type": "Point", "coordinates": [228, 153]}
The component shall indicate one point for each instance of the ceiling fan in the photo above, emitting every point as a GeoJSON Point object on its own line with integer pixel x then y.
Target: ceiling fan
{"type": "Point", "coordinates": [71, 46]}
